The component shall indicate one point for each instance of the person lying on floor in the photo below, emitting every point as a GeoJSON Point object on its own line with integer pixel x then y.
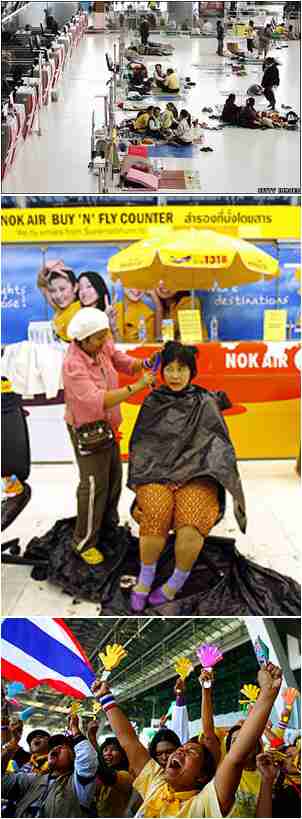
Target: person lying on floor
{"type": "Point", "coordinates": [231, 111]}
{"type": "Point", "coordinates": [181, 461]}
{"type": "Point", "coordinates": [190, 785]}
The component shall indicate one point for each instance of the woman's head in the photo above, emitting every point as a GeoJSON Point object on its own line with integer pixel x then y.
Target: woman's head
{"type": "Point", "coordinates": [90, 328]}
{"type": "Point", "coordinates": [185, 115]}
{"type": "Point", "coordinates": [113, 755]}
{"type": "Point", "coordinates": [158, 68]}
{"type": "Point", "coordinates": [190, 767]}
{"type": "Point", "coordinates": [162, 745]}
{"type": "Point", "coordinates": [172, 107]}
{"type": "Point", "coordinates": [93, 291]}
{"type": "Point", "coordinates": [178, 365]}
{"type": "Point", "coordinates": [62, 286]}
{"type": "Point", "coordinates": [250, 103]}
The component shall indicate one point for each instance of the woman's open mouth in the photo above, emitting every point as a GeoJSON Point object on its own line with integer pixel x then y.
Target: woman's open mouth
{"type": "Point", "coordinates": [175, 764]}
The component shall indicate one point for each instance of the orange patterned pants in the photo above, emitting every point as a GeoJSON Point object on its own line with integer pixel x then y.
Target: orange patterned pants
{"type": "Point", "coordinates": [164, 507]}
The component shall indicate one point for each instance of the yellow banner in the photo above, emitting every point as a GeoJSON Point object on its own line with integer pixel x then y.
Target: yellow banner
{"type": "Point", "coordinates": [106, 224]}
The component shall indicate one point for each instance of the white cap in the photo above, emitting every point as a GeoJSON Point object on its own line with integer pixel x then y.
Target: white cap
{"type": "Point", "coordinates": [87, 321]}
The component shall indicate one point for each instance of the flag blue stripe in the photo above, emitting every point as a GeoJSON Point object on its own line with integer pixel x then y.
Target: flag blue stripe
{"type": "Point", "coordinates": [26, 636]}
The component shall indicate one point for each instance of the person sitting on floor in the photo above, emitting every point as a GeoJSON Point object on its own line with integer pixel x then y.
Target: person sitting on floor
{"type": "Point", "coordinates": [158, 76]}
{"type": "Point", "coordinates": [141, 122]}
{"type": "Point", "coordinates": [248, 117]}
{"type": "Point", "coordinates": [154, 124]}
{"type": "Point", "coordinates": [169, 120]}
{"type": "Point", "coordinates": [184, 132]}
{"type": "Point", "coordinates": [170, 84]}
{"type": "Point", "coordinates": [231, 111]}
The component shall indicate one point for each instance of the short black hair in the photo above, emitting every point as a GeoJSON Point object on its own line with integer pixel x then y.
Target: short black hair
{"type": "Point", "coordinates": [57, 274]}
{"type": "Point", "coordinates": [234, 730]}
{"type": "Point", "coordinates": [175, 351]}
{"type": "Point", "coordinates": [163, 735]}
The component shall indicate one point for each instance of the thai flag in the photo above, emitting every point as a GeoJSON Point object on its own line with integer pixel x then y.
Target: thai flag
{"type": "Point", "coordinates": [39, 650]}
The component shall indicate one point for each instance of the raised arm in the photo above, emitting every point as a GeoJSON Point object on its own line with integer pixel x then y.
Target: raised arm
{"type": "Point", "coordinates": [207, 715]}
{"type": "Point", "coordinates": [268, 773]}
{"type": "Point", "coordinates": [137, 755]}
{"type": "Point", "coordinates": [229, 772]}
{"type": "Point", "coordinates": [180, 719]}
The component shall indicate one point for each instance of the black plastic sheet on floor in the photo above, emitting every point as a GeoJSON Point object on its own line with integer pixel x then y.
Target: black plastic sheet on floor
{"type": "Point", "coordinates": [222, 582]}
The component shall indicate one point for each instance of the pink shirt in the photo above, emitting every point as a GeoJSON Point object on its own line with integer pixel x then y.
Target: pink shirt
{"type": "Point", "coordinates": [86, 381]}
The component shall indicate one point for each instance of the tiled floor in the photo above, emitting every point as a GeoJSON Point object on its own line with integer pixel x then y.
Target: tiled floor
{"type": "Point", "coordinates": [273, 537]}
{"type": "Point", "coordinates": [242, 161]}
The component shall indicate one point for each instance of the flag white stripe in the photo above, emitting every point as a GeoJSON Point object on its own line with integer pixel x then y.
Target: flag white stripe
{"type": "Point", "coordinates": [38, 670]}
{"type": "Point", "coordinates": [54, 630]}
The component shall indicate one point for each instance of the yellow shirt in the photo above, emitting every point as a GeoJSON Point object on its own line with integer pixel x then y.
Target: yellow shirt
{"type": "Point", "coordinates": [141, 123]}
{"type": "Point", "coordinates": [172, 82]}
{"type": "Point", "coordinates": [128, 315]}
{"type": "Point", "coordinates": [160, 800]}
{"type": "Point", "coordinates": [247, 794]}
{"type": "Point", "coordinates": [62, 319]}
{"type": "Point", "coordinates": [113, 799]}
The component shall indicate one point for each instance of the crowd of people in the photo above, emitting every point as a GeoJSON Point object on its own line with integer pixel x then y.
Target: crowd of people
{"type": "Point", "coordinates": [248, 770]}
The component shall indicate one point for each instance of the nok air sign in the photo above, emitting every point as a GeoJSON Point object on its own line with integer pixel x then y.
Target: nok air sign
{"type": "Point", "coordinates": [106, 224]}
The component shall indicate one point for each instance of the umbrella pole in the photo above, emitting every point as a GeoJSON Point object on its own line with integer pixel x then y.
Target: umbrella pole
{"type": "Point", "coordinates": [193, 299]}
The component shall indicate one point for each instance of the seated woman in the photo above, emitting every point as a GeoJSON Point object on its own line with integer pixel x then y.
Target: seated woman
{"type": "Point", "coordinates": [58, 284]}
{"type": "Point", "coordinates": [154, 124]}
{"type": "Point", "coordinates": [139, 78]}
{"type": "Point", "coordinates": [170, 83]}
{"type": "Point", "coordinates": [158, 76]}
{"type": "Point", "coordinates": [183, 134]}
{"type": "Point", "coordinates": [248, 117]}
{"type": "Point", "coordinates": [191, 785]}
{"type": "Point", "coordinates": [231, 111]}
{"type": "Point", "coordinates": [140, 124]}
{"type": "Point", "coordinates": [181, 462]}
{"type": "Point", "coordinates": [169, 120]}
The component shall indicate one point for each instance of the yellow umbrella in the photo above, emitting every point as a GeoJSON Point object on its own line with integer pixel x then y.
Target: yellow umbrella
{"type": "Point", "coordinates": [191, 259]}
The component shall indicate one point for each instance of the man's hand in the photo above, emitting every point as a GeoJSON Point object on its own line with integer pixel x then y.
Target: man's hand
{"type": "Point", "coordinates": [270, 679]}
{"type": "Point", "coordinates": [16, 730]}
{"type": "Point", "coordinates": [180, 687]}
{"type": "Point", "coordinates": [74, 725]}
{"type": "Point", "coordinates": [267, 768]}
{"type": "Point", "coordinates": [92, 729]}
{"type": "Point", "coordinates": [99, 688]}
{"type": "Point", "coordinates": [206, 676]}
